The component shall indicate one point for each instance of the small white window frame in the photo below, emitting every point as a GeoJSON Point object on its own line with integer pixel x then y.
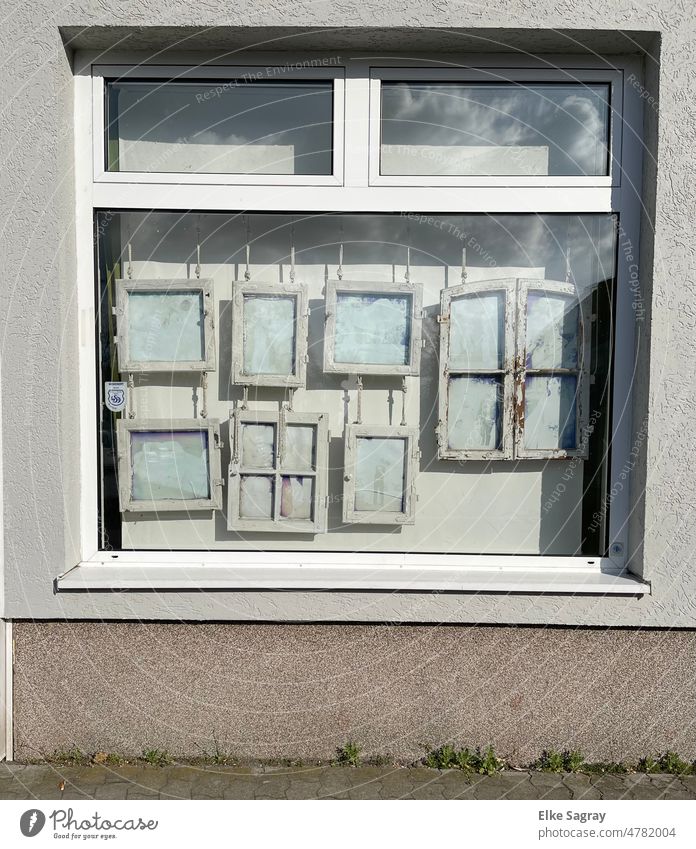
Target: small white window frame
{"type": "Point", "coordinates": [407, 516]}
{"type": "Point", "coordinates": [334, 288]}
{"type": "Point", "coordinates": [96, 191]}
{"type": "Point", "coordinates": [582, 405]}
{"type": "Point", "coordinates": [246, 288]}
{"type": "Point", "coordinates": [500, 74]}
{"type": "Point", "coordinates": [125, 427]}
{"type": "Point", "coordinates": [506, 372]}
{"type": "Point", "coordinates": [280, 419]}
{"type": "Point", "coordinates": [123, 289]}
{"type": "Point", "coordinates": [217, 75]}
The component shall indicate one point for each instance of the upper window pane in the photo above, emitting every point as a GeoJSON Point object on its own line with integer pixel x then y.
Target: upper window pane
{"type": "Point", "coordinates": [236, 127]}
{"type": "Point", "coordinates": [491, 129]}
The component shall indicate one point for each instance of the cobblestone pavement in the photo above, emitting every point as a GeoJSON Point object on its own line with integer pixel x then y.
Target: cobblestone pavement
{"type": "Point", "coordinates": [19, 781]}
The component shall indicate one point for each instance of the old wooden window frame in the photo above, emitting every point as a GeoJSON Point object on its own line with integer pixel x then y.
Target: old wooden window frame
{"type": "Point", "coordinates": [447, 297]}
{"type": "Point", "coordinates": [514, 371]}
{"type": "Point", "coordinates": [125, 465]}
{"type": "Point", "coordinates": [279, 419]}
{"type": "Point", "coordinates": [334, 288]}
{"type": "Point", "coordinates": [244, 289]}
{"type": "Point", "coordinates": [582, 371]}
{"type": "Point", "coordinates": [407, 516]}
{"type": "Point", "coordinates": [125, 286]}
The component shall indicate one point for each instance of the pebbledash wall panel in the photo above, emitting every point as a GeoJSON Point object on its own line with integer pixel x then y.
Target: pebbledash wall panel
{"type": "Point", "coordinates": [299, 691]}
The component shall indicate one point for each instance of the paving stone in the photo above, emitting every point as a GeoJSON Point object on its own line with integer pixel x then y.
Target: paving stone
{"type": "Point", "coordinates": [613, 786]}
{"type": "Point", "coordinates": [580, 786]}
{"type": "Point", "coordinates": [549, 785]}
{"type": "Point", "coordinates": [304, 790]}
{"type": "Point", "coordinates": [182, 781]}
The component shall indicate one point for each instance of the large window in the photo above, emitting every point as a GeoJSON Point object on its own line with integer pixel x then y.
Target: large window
{"type": "Point", "coordinates": [361, 311]}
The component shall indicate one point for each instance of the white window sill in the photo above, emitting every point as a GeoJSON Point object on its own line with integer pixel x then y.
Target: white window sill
{"type": "Point", "coordinates": [189, 575]}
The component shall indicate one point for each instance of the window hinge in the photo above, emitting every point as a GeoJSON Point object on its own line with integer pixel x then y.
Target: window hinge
{"type": "Point", "coordinates": [442, 319]}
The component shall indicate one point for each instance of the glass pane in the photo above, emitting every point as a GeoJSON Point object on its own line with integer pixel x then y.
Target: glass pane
{"type": "Point", "coordinates": [256, 497]}
{"type": "Point", "coordinates": [373, 329]}
{"type": "Point", "coordinates": [477, 331]}
{"type": "Point", "coordinates": [166, 326]}
{"type": "Point", "coordinates": [258, 446]}
{"type": "Point", "coordinates": [475, 413]}
{"type": "Point", "coordinates": [169, 465]}
{"type": "Point", "coordinates": [380, 473]}
{"type": "Point", "coordinates": [549, 416]}
{"type": "Point", "coordinates": [296, 497]}
{"type": "Point", "coordinates": [237, 127]}
{"type": "Point", "coordinates": [552, 330]}
{"type": "Point", "coordinates": [299, 447]}
{"type": "Point", "coordinates": [454, 129]}
{"type": "Point", "coordinates": [269, 334]}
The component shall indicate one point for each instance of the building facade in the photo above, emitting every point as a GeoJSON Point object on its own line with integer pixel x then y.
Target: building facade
{"type": "Point", "coordinates": [345, 380]}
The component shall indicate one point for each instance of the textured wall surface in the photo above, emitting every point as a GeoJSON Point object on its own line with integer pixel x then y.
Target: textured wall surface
{"type": "Point", "coordinates": [301, 690]}
{"type": "Point", "coordinates": [39, 322]}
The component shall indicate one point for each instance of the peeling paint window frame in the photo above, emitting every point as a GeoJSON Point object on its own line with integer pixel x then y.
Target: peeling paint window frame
{"type": "Point", "coordinates": [581, 371]}
{"type": "Point", "coordinates": [514, 371]}
{"type": "Point", "coordinates": [237, 469]}
{"type": "Point", "coordinates": [244, 289]}
{"type": "Point", "coordinates": [124, 429]}
{"type": "Point", "coordinates": [126, 286]}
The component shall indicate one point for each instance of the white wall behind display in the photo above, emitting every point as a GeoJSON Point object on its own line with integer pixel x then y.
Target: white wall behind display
{"type": "Point", "coordinates": [489, 507]}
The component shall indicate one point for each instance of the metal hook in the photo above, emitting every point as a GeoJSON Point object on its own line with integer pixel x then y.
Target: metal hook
{"type": "Point", "coordinates": [403, 401]}
{"type": "Point", "coordinates": [247, 273]}
{"type": "Point", "coordinates": [359, 382]}
{"type": "Point", "coordinates": [198, 248]}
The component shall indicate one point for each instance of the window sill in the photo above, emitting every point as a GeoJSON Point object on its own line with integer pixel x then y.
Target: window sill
{"type": "Point", "coordinates": [193, 576]}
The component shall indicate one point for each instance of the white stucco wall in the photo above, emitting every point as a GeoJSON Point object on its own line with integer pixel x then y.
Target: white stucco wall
{"type": "Point", "coordinates": [41, 328]}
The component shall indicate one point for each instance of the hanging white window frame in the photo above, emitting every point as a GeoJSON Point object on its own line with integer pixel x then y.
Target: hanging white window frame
{"type": "Point", "coordinates": [581, 372]}
{"type": "Point", "coordinates": [498, 74]}
{"type": "Point", "coordinates": [505, 373]}
{"type": "Point", "coordinates": [279, 420]}
{"type": "Point", "coordinates": [124, 288]}
{"type": "Point", "coordinates": [218, 75]}
{"type": "Point", "coordinates": [96, 191]}
{"type": "Point", "coordinates": [406, 516]}
{"type": "Point", "coordinates": [128, 504]}
{"type": "Point", "coordinates": [335, 288]}
{"type": "Point", "coordinates": [514, 371]}
{"type": "Point", "coordinates": [244, 290]}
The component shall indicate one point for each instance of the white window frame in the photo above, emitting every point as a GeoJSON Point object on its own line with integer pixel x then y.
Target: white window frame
{"type": "Point", "coordinates": [352, 287]}
{"type": "Point", "coordinates": [96, 191]}
{"type": "Point", "coordinates": [407, 516]}
{"type": "Point", "coordinates": [216, 75]}
{"type": "Point", "coordinates": [249, 288]}
{"type": "Point", "coordinates": [506, 373]}
{"type": "Point", "coordinates": [513, 372]}
{"type": "Point", "coordinates": [237, 469]}
{"type": "Point", "coordinates": [613, 79]}
{"type": "Point", "coordinates": [123, 289]}
{"type": "Point", "coordinates": [124, 428]}
{"type": "Point", "coordinates": [582, 372]}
